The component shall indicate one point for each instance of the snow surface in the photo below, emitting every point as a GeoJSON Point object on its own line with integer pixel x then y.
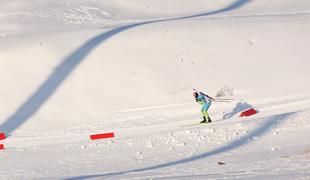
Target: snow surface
{"type": "Point", "coordinates": [69, 69]}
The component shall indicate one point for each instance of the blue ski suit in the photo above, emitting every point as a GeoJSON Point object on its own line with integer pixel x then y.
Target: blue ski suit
{"type": "Point", "coordinates": [205, 101]}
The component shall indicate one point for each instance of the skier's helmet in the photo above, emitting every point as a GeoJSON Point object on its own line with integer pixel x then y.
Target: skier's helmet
{"type": "Point", "coordinates": [195, 94]}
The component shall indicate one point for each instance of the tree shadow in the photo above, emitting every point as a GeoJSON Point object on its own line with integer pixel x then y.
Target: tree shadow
{"type": "Point", "coordinates": [264, 128]}
{"type": "Point", "coordinates": [63, 70]}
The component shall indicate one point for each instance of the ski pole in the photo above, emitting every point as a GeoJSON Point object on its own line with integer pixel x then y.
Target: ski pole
{"type": "Point", "coordinates": [219, 100]}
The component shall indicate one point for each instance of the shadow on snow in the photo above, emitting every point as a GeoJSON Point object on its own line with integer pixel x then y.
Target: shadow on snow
{"type": "Point", "coordinates": [63, 70]}
{"type": "Point", "coordinates": [241, 106]}
{"type": "Point", "coordinates": [260, 131]}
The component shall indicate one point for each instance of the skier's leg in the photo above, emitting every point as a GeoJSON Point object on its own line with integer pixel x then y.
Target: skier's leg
{"type": "Point", "coordinates": [204, 113]}
{"type": "Point", "coordinates": [205, 110]}
{"type": "Point", "coordinates": [209, 119]}
{"type": "Point", "coordinates": [204, 119]}
{"type": "Point", "coordinates": [207, 116]}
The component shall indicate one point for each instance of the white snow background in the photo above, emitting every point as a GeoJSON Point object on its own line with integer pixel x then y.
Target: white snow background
{"type": "Point", "coordinates": [69, 69]}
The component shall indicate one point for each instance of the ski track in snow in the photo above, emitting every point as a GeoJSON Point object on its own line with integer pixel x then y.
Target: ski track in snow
{"type": "Point", "coordinates": [181, 121]}
{"type": "Point", "coordinates": [269, 120]}
{"type": "Point", "coordinates": [272, 113]}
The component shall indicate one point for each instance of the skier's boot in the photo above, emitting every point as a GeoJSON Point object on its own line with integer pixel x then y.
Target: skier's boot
{"type": "Point", "coordinates": [204, 120]}
{"type": "Point", "coordinates": [209, 120]}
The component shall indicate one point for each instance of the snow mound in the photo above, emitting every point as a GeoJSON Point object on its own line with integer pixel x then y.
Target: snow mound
{"type": "Point", "coordinates": [225, 92]}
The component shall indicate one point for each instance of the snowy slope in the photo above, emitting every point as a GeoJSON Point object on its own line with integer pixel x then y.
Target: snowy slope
{"type": "Point", "coordinates": [69, 69]}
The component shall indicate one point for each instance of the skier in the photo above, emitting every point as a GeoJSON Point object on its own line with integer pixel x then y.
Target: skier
{"type": "Point", "coordinates": [205, 101]}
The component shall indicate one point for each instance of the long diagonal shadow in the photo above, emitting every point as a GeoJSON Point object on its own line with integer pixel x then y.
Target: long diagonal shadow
{"type": "Point", "coordinates": [269, 123]}
{"type": "Point", "coordinates": [63, 70]}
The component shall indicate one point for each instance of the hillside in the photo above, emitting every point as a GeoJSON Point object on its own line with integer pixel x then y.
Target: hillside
{"type": "Point", "coordinates": [70, 69]}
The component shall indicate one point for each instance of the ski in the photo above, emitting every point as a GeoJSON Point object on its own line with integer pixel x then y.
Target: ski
{"type": "Point", "coordinates": [195, 124]}
{"type": "Point", "coordinates": [223, 99]}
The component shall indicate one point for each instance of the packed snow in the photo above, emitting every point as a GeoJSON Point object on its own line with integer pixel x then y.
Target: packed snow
{"type": "Point", "coordinates": [71, 69]}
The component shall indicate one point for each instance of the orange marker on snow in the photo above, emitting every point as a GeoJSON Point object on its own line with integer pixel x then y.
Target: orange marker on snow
{"type": "Point", "coordinates": [102, 136]}
{"type": "Point", "coordinates": [248, 112]}
{"type": "Point", "coordinates": [2, 136]}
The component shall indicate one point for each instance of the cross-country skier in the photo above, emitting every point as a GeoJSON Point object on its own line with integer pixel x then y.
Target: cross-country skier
{"type": "Point", "coordinates": [205, 101]}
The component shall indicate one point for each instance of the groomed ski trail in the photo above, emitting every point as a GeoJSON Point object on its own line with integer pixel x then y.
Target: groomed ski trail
{"type": "Point", "coordinates": [179, 122]}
